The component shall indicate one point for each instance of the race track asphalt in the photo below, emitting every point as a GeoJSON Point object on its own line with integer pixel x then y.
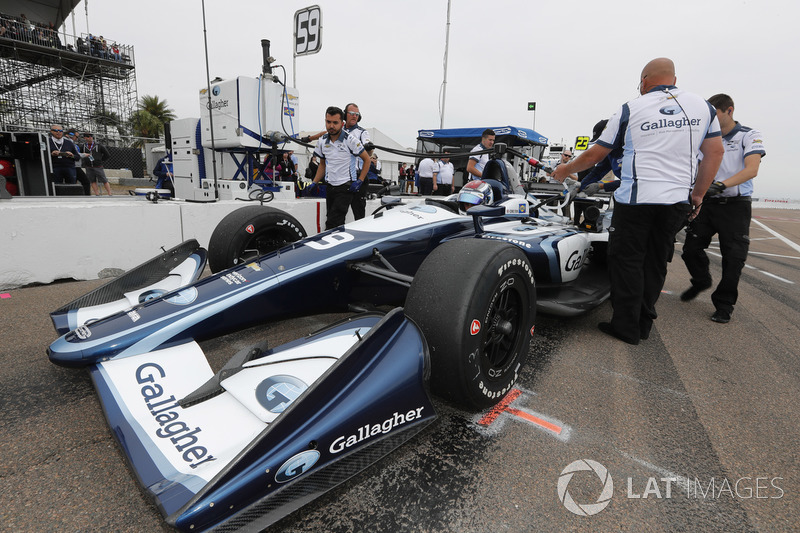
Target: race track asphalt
{"type": "Point", "coordinates": [697, 426]}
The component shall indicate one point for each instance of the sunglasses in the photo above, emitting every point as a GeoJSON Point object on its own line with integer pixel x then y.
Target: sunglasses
{"type": "Point", "coordinates": [51, 129]}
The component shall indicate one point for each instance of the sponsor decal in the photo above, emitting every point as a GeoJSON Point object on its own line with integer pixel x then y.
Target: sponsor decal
{"type": "Point", "coordinates": [167, 413]}
{"type": "Point", "coordinates": [426, 134]}
{"type": "Point", "coordinates": [276, 393]}
{"type": "Point", "coordinates": [234, 278]}
{"type": "Point", "coordinates": [297, 465]}
{"type": "Point", "coordinates": [219, 104]}
{"type": "Point", "coordinates": [475, 327]}
{"type": "Point", "coordinates": [670, 110]}
{"type": "Point", "coordinates": [502, 131]}
{"type": "Point", "coordinates": [146, 296]}
{"type": "Point", "coordinates": [669, 123]}
{"type": "Point", "coordinates": [183, 297]}
{"type": "Point", "coordinates": [371, 430]}
{"type": "Point", "coordinates": [288, 111]}
{"type": "Point", "coordinates": [586, 509]}
{"type": "Point", "coordinates": [532, 329]}
{"type": "Point", "coordinates": [215, 91]}
{"type": "Point", "coordinates": [254, 266]}
{"type": "Point", "coordinates": [250, 229]}
{"type": "Point", "coordinates": [574, 261]}
{"type": "Point", "coordinates": [519, 243]}
{"type": "Point", "coordinates": [133, 315]}
{"type": "Point", "coordinates": [83, 332]}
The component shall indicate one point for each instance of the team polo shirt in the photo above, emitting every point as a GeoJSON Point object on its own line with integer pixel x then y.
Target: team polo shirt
{"type": "Point", "coordinates": [739, 143]}
{"type": "Point", "coordinates": [427, 168]}
{"type": "Point", "coordinates": [445, 175]}
{"type": "Point", "coordinates": [480, 160]}
{"type": "Point", "coordinates": [338, 156]}
{"type": "Point", "coordinates": [660, 134]}
{"type": "Point", "coordinates": [363, 136]}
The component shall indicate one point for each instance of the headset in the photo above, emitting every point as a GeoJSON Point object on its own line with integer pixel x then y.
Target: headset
{"type": "Point", "coordinates": [359, 113]}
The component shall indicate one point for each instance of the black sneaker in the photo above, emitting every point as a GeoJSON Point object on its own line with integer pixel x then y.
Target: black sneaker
{"type": "Point", "coordinates": [692, 292]}
{"type": "Point", "coordinates": [722, 317]}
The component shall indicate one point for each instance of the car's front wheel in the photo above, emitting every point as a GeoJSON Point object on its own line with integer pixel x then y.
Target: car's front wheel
{"type": "Point", "coordinates": [250, 232]}
{"type": "Point", "coordinates": [475, 301]}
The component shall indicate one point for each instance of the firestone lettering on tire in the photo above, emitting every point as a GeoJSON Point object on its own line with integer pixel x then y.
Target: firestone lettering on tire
{"type": "Point", "coordinates": [516, 262]}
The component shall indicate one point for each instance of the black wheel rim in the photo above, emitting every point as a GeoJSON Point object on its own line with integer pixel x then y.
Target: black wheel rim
{"type": "Point", "coordinates": [504, 323]}
{"type": "Point", "coordinates": [262, 243]}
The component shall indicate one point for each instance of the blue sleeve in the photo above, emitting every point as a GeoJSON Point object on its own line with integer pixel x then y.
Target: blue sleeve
{"type": "Point", "coordinates": [597, 173]}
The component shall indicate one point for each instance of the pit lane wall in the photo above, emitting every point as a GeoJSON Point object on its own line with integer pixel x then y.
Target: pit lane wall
{"type": "Point", "coordinates": [46, 239]}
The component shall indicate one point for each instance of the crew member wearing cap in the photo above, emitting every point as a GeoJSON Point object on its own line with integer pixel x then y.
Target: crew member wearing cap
{"type": "Point", "coordinates": [93, 156]}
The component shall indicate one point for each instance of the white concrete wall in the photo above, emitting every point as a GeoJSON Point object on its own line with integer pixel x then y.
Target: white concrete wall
{"type": "Point", "coordinates": [45, 239]}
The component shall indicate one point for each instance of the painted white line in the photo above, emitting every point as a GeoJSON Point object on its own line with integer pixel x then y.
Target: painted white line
{"type": "Point", "coordinates": [773, 255]}
{"type": "Point", "coordinates": [786, 241]}
{"type": "Point", "coordinates": [778, 277]}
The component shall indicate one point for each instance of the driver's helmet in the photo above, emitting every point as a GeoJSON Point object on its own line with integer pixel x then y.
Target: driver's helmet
{"type": "Point", "coordinates": [475, 192]}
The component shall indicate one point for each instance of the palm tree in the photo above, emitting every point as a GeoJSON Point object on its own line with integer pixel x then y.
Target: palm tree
{"type": "Point", "coordinates": [148, 121]}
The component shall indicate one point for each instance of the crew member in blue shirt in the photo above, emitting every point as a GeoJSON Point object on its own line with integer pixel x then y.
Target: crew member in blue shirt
{"type": "Point", "coordinates": [726, 212]}
{"type": "Point", "coordinates": [662, 134]}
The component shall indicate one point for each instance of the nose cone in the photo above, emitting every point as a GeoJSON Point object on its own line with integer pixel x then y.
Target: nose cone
{"type": "Point", "coordinates": [65, 353]}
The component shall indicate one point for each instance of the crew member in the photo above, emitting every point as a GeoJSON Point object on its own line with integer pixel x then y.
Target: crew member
{"type": "Point", "coordinates": [726, 212]}
{"type": "Point", "coordinates": [662, 134]}
{"type": "Point", "coordinates": [478, 162]}
{"type": "Point", "coordinates": [445, 177]}
{"type": "Point", "coordinates": [428, 169]}
{"type": "Point", "coordinates": [335, 151]}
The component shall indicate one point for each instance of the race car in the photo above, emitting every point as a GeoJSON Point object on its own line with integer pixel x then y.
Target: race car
{"type": "Point", "coordinates": [274, 428]}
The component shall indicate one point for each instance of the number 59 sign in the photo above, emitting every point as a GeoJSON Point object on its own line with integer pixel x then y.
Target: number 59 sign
{"type": "Point", "coordinates": [307, 31]}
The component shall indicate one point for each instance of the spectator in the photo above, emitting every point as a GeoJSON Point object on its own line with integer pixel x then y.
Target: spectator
{"type": "Point", "coordinates": [401, 175]}
{"type": "Point", "coordinates": [80, 175]}
{"type": "Point", "coordinates": [566, 156]}
{"type": "Point", "coordinates": [428, 169]}
{"type": "Point", "coordinates": [286, 169]}
{"type": "Point", "coordinates": [477, 162]}
{"type": "Point", "coordinates": [336, 150]}
{"type": "Point", "coordinates": [63, 153]}
{"type": "Point", "coordinates": [726, 212]}
{"type": "Point", "coordinates": [374, 174]}
{"type": "Point", "coordinates": [659, 179]}
{"type": "Point", "coordinates": [163, 173]}
{"type": "Point", "coordinates": [445, 177]}
{"type": "Point", "coordinates": [94, 155]}
{"type": "Point", "coordinates": [411, 178]}
{"type": "Point", "coordinates": [311, 171]}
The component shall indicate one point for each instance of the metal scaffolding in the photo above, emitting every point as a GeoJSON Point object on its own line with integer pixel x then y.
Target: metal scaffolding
{"type": "Point", "coordinates": [71, 84]}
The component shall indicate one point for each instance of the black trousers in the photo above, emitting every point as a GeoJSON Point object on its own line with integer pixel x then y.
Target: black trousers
{"type": "Point", "coordinates": [444, 189]}
{"type": "Point", "coordinates": [641, 242]}
{"type": "Point", "coordinates": [337, 202]}
{"type": "Point", "coordinates": [731, 221]}
{"type": "Point", "coordinates": [426, 186]}
{"type": "Point", "coordinates": [359, 201]}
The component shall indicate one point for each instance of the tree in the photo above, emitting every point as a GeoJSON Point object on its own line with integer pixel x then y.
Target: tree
{"type": "Point", "coordinates": [148, 121]}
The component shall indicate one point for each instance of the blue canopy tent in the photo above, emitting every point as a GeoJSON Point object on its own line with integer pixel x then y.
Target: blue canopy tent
{"type": "Point", "coordinates": [464, 139]}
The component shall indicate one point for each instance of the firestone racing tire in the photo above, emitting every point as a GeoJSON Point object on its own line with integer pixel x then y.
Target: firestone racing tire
{"type": "Point", "coordinates": [251, 232]}
{"type": "Point", "coordinates": [475, 301]}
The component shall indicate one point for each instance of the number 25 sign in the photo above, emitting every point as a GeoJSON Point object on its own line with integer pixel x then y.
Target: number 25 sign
{"type": "Point", "coordinates": [307, 31]}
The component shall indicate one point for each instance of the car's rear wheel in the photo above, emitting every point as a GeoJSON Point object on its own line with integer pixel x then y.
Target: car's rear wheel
{"type": "Point", "coordinates": [475, 301]}
{"type": "Point", "coordinates": [251, 232]}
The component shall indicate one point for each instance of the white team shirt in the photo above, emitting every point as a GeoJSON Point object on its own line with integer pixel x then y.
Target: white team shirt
{"type": "Point", "coordinates": [480, 160]}
{"type": "Point", "coordinates": [660, 134]}
{"type": "Point", "coordinates": [427, 168]}
{"type": "Point", "coordinates": [362, 135]}
{"type": "Point", "coordinates": [739, 143]}
{"type": "Point", "coordinates": [445, 175]}
{"type": "Point", "coordinates": [338, 156]}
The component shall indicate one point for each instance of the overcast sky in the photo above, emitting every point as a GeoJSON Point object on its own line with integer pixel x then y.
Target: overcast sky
{"type": "Point", "coordinates": [577, 60]}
